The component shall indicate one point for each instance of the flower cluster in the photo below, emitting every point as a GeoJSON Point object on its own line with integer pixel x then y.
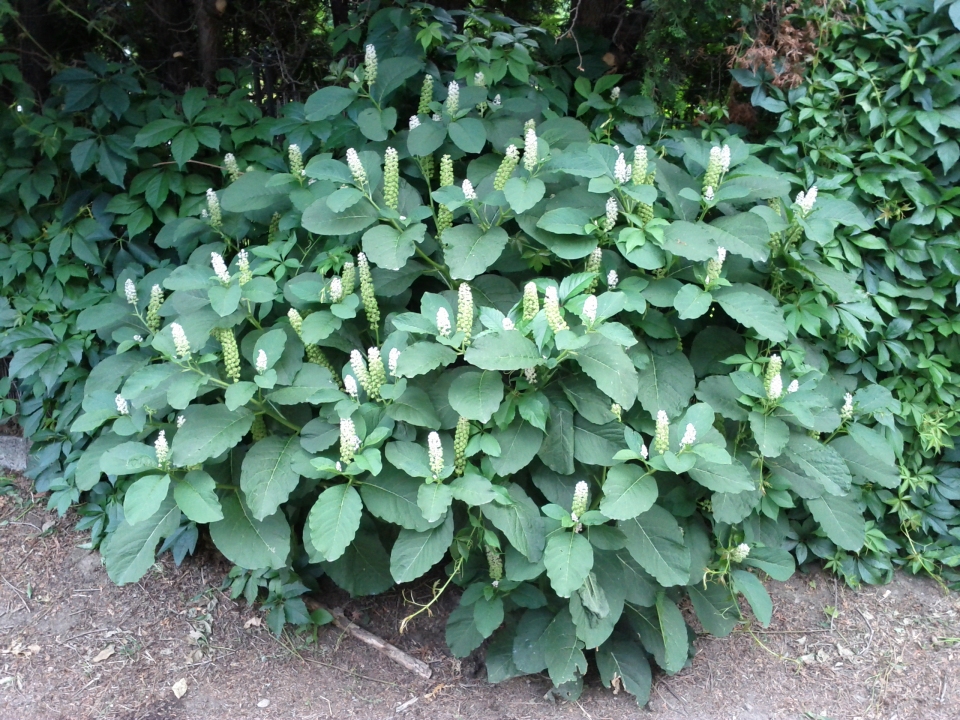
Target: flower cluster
{"type": "Point", "coordinates": [551, 307]}
{"type": "Point", "coordinates": [233, 170]}
{"type": "Point", "coordinates": [231, 353]}
{"type": "Point", "coordinates": [243, 265]}
{"type": "Point", "coordinates": [621, 171]}
{"type": "Point", "coordinates": [592, 265]}
{"type": "Point", "coordinates": [531, 301]}
{"type": "Point", "coordinates": [296, 160]}
{"type": "Point", "coordinates": [443, 322]}
{"type": "Point", "coordinates": [460, 439]}
{"type": "Point", "coordinates": [613, 279]}
{"type": "Point", "coordinates": [122, 407]}
{"type": "Point", "coordinates": [367, 292]}
{"type": "Point", "coordinates": [349, 442]}
{"type": "Point", "coordinates": [846, 412]}
{"type": "Point", "coordinates": [378, 374]}
{"type": "Point", "coordinates": [530, 148]}
{"type": "Point", "coordinates": [689, 436]}
{"type": "Point", "coordinates": [435, 454]}
{"type": "Point", "coordinates": [370, 64]}
{"type": "Point", "coordinates": [261, 364]}
{"type": "Point", "coordinates": [465, 311]}
{"type": "Point", "coordinates": [356, 167]}
{"type": "Point", "coordinates": [530, 375]}
{"type": "Point", "coordinates": [180, 342]}
{"type": "Point", "coordinates": [468, 192]}
{"type": "Point", "coordinates": [590, 309]}
{"type": "Point", "coordinates": [612, 213]}
{"type": "Point", "coordinates": [162, 448]}
{"type": "Point", "coordinates": [153, 308]}
{"type": "Point", "coordinates": [392, 359]}
{"type": "Point", "coordinates": [426, 95]}
{"type": "Point", "coordinates": [715, 266]}
{"type": "Point", "coordinates": [359, 368]}
{"type": "Point", "coordinates": [494, 565]}
{"type": "Point", "coordinates": [220, 268]}
{"type": "Point", "coordinates": [414, 122]}
{"type": "Point", "coordinates": [739, 553]}
{"type": "Point", "coordinates": [348, 278]}
{"type": "Point", "coordinates": [772, 382]}
{"type": "Point", "coordinates": [130, 291]}
{"type": "Point", "coordinates": [336, 289]}
{"type": "Point", "coordinates": [805, 201]}
{"type": "Point", "coordinates": [661, 436]}
{"type": "Point", "coordinates": [581, 498]}
{"type": "Point", "coordinates": [508, 324]}
{"type": "Point", "coordinates": [213, 209]}
{"type": "Point", "coordinates": [444, 214]}
{"type": "Point", "coordinates": [350, 386]}
{"type": "Point", "coordinates": [452, 105]}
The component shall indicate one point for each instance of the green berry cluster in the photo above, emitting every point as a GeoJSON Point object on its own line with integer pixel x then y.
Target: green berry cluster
{"type": "Point", "coordinates": [231, 355]}
{"type": "Point", "coordinates": [460, 438]}
{"type": "Point", "coordinates": [153, 308]}
{"type": "Point", "coordinates": [465, 312]}
{"type": "Point", "coordinates": [507, 166]}
{"type": "Point", "coordinates": [348, 278]}
{"type": "Point", "coordinates": [426, 95]}
{"type": "Point", "coordinates": [258, 430]}
{"type": "Point", "coordinates": [592, 265]}
{"type": "Point", "coordinates": [494, 564]}
{"type": "Point", "coordinates": [531, 301]}
{"type": "Point", "coordinates": [367, 293]}
{"type": "Point", "coordinates": [444, 215]}
{"type": "Point", "coordinates": [391, 178]}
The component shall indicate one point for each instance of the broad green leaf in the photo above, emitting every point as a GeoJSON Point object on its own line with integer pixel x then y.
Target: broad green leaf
{"type": "Point", "coordinates": [468, 251]}
{"type": "Point", "coordinates": [364, 567]}
{"type": "Point", "coordinates": [520, 522]}
{"type": "Point", "coordinates": [476, 395]}
{"type": "Point", "coordinates": [144, 497]}
{"type": "Point", "coordinates": [519, 444]}
{"type": "Point", "coordinates": [770, 433]}
{"type": "Point", "coordinates": [414, 407]}
{"type": "Point", "coordinates": [414, 553]}
{"type": "Point", "coordinates": [252, 191]}
{"type": "Point", "coordinates": [562, 650]}
{"type": "Point", "coordinates": [868, 456]}
{"type": "Point", "coordinates": [775, 562]}
{"type": "Point", "coordinates": [499, 656]}
{"type": "Point", "coordinates": [468, 134]}
{"type": "Point", "coordinates": [621, 659]}
{"type": "Point", "coordinates": [611, 369]}
{"type": "Point", "coordinates": [334, 520]}
{"type": "Point", "coordinates": [426, 138]}
{"type": "Point", "coordinates": [666, 383]}
{"type": "Point", "coordinates": [724, 478]}
{"type": "Point", "coordinates": [267, 476]}
{"type": "Point", "coordinates": [88, 470]}
{"type": "Point", "coordinates": [130, 550]}
{"type": "Point", "coordinates": [747, 584]}
{"type": "Point", "coordinates": [250, 543]}
{"type": "Point", "coordinates": [208, 432]}
{"type": "Point", "coordinates": [422, 357]}
{"type": "Point", "coordinates": [524, 193]}
{"type": "Point", "coordinates": [528, 648]}
{"type": "Point", "coordinates": [196, 496]}
{"type": "Point", "coordinates": [673, 631]}
{"type": "Point", "coordinates": [393, 496]}
{"type": "Point", "coordinates": [128, 458]}
{"type": "Point", "coordinates": [597, 444]}
{"type": "Point", "coordinates": [461, 632]}
{"type": "Point", "coordinates": [505, 351]}
{"type": "Point", "coordinates": [716, 607]}
{"type": "Point", "coordinates": [564, 221]}
{"type": "Point", "coordinates": [327, 102]}
{"type": "Point", "coordinates": [488, 615]}
{"type": "Point", "coordinates": [434, 499]}
{"type": "Point", "coordinates": [320, 219]}
{"type": "Point", "coordinates": [841, 519]}
{"type": "Point", "coordinates": [656, 542]}
{"type": "Point", "coordinates": [755, 308]}
{"type": "Point", "coordinates": [389, 248]}
{"type": "Point", "coordinates": [556, 452]}
{"type": "Point", "coordinates": [627, 492]}
{"type": "Point", "coordinates": [568, 557]}
{"type": "Point", "coordinates": [473, 489]}
{"type": "Point", "coordinates": [692, 302]}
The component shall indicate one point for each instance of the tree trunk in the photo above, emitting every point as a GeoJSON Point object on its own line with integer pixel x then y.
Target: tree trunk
{"type": "Point", "coordinates": [208, 39]}
{"type": "Point", "coordinates": [601, 16]}
{"type": "Point", "coordinates": [340, 12]}
{"type": "Point", "coordinates": [38, 21]}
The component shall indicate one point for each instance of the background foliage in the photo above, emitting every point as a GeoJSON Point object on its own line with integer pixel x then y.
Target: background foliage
{"type": "Point", "coordinates": [109, 182]}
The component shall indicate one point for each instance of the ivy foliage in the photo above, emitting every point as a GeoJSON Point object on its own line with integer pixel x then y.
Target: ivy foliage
{"type": "Point", "coordinates": [443, 317]}
{"type": "Point", "coordinates": [877, 122]}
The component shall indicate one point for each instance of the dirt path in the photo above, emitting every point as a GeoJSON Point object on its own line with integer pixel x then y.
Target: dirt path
{"type": "Point", "coordinates": [72, 645]}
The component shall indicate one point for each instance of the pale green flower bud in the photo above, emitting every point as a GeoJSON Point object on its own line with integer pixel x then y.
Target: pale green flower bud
{"type": "Point", "coordinates": [661, 436]}
{"type": "Point", "coordinates": [460, 439]}
{"type": "Point", "coordinates": [367, 292]}
{"type": "Point", "coordinates": [507, 166]}
{"type": "Point", "coordinates": [349, 442]}
{"type": "Point", "coordinates": [426, 95]}
{"type": "Point", "coordinates": [391, 178]}
{"type": "Point", "coordinates": [531, 301]}
{"type": "Point", "coordinates": [153, 308]}
{"type": "Point", "coordinates": [435, 454]}
{"type": "Point", "coordinates": [465, 312]}
{"type": "Point", "coordinates": [551, 307]}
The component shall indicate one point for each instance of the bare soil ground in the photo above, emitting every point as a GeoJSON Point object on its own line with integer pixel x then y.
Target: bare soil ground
{"type": "Point", "coordinates": [72, 645]}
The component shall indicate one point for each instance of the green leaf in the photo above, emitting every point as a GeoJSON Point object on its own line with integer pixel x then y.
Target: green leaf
{"type": "Point", "coordinates": [196, 496]}
{"type": "Point", "coordinates": [488, 615]}
{"type": "Point", "coordinates": [88, 470]}
{"type": "Point", "coordinates": [568, 558]}
{"type": "Point", "coordinates": [469, 251]}
{"type": "Point", "coordinates": [528, 647]}
{"type": "Point", "coordinates": [184, 146]}
{"type": "Point", "coordinates": [520, 522]}
{"type": "Point", "coordinates": [250, 543]}
{"type": "Point", "coordinates": [747, 584]}
{"type": "Point", "coordinates": [524, 193]}
{"type": "Point", "coordinates": [158, 132]}
{"type": "Point", "coordinates": [868, 456]}
{"type": "Point", "coordinates": [267, 476]}
{"type": "Point", "coordinates": [461, 632]}
{"type": "Point", "coordinates": [389, 248]}
{"type": "Point", "coordinates": [476, 395]}
{"type": "Point", "coordinates": [423, 357]}
{"type": "Point", "coordinates": [468, 134]}
{"type": "Point", "coordinates": [608, 365]}
{"type": "Point", "coordinates": [655, 541]}
{"type": "Point", "coordinates": [775, 562]}
{"type": "Point", "coordinates": [327, 102]}
{"type": "Point", "coordinates": [128, 458]}
{"type": "Point", "coordinates": [504, 351]}
{"type": "Point", "coordinates": [627, 492]}
{"type": "Point", "coordinates": [597, 444]}
{"type": "Point", "coordinates": [724, 478]}
{"type": "Point", "coordinates": [375, 124]}
{"type": "Point", "coordinates": [209, 431]}
{"type": "Point", "coordinates": [320, 219]}
{"type": "Point", "coordinates": [770, 433]}
{"type": "Point", "coordinates": [313, 384]}
{"type": "Point", "coordinates": [224, 300]}
{"type": "Point", "coordinates": [841, 520]}
{"type": "Point", "coordinates": [426, 138]}
{"type": "Point", "coordinates": [414, 553]}
{"type": "Point", "coordinates": [473, 489]}
{"type": "Point", "coordinates": [434, 499]}
{"type": "Point", "coordinates": [673, 631]}
{"type": "Point", "coordinates": [716, 607]}
{"type": "Point", "coordinates": [755, 308]}
{"type": "Point", "coordinates": [144, 497]}
{"type": "Point", "coordinates": [239, 394]}
{"type": "Point", "coordinates": [621, 659]}
{"type": "Point", "coordinates": [564, 221]}
{"type": "Point", "coordinates": [393, 496]}
{"type": "Point", "coordinates": [666, 383]}
{"type": "Point", "coordinates": [364, 567]}
{"type": "Point", "coordinates": [809, 464]}
{"type": "Point", "coordinates": [562, 650]}
{"type": "Point", "coordinates": [414, 407]}
{"type": "Point", "coordinates": [556, 452]}
{"type": "Point", "coordinates": [692, 302]}
{"type": "Point", "coordinates": [334, 520]}
{"type": "Point", "coordinates": [252, 191]}
{"type": "Point", "coordinates": [130, 550]}
{"type": "Point", "coordinates": [499, 656]}
{"type": "Point", "coordinates": [519, 444]}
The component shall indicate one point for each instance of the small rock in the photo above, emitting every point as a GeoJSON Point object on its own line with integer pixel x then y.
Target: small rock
{"type": "Point", "coordinates": [180, 688]}
{"type": "Point", "coordinates": [263, 703]}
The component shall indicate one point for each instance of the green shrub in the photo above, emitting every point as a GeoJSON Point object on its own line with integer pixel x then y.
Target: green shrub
{"type": "Point", "coordinates": [441, 323]}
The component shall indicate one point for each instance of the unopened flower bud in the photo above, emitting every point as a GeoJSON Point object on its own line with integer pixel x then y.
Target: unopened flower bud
{"type": "Point", "coordinates": [295, 158]}
{"type": "Point", "coordinates": [153, 308]}
{"type": "Point", "coordinates": [452, 105]}
{"type": "Point", "coordinates": [391, 178]}
{"type": "Point", "coordinates": [551, 307]}
{"type": "Point", "coordinates": [370, 64]}
{"type": "Point", "coordinates": [460, 440]}
{"type": "Point", "coordinates": [531, 301]}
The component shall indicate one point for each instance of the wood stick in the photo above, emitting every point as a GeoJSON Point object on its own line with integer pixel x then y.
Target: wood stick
{"type": "Point", "coordinates": [394, 653]}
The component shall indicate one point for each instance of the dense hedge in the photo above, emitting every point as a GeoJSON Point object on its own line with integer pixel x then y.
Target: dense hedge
{"type": "Point", "coordinates": [483, 312]}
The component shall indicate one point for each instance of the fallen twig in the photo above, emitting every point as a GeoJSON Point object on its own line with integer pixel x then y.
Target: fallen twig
{"type": "Point", "coordinates": [391, 651]}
